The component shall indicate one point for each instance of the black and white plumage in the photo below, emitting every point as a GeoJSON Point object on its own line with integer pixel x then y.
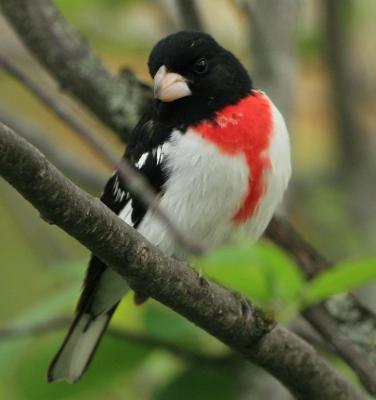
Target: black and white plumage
{"type": "Point", "coordinates": [217, 153]}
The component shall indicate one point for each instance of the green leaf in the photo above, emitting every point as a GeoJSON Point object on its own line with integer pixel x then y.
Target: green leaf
{"type": "Point", "coordinates": [165, 324]}
{"type": "Point", "coordinates": [115, 357]}
{"type": "Point", "coordinates": [203, 382]}
{"type": "Point", "coordinates": [262, 272]}
{"type": "Point", "coordinates": [284, 276]}
{"type": "Point", "coordinates": [238, 269]}
{"type": "Point", "coordinates": [341, 278]}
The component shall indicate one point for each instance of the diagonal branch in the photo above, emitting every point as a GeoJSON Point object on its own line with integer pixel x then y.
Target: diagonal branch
{"type": "Point", "coordinates": [69, 59]}
{"type": "Point", "coordinates": [310, 260]}
{"type": "Point", "coordinates": [328, 328]}
{"type": "Point", "coordinates": [92, 180]}
{"type": "Point", "coordinates": [222, 313]}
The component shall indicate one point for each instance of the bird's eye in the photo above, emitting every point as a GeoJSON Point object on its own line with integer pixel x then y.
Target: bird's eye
{"type": "Point", "coordinates": [200, 66]}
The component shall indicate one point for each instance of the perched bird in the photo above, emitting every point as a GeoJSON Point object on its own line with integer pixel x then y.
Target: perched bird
{"type": "Point", "coordinates": [215, 149]}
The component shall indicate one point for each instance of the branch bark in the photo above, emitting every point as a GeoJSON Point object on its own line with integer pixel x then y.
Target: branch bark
{"type": "Point", "coordinates": [91, 180]}
{"type": "Point", "coordinates": [61, 322]}
{"type": "Point", "coordinates": [189, 15]}
{"type": "Point", "coordinates": [69, 59]}
{"type": "Point", "coordinates": [222, 313]}
{"type": "Point", "coordinates": [359, 357]}
{"type": "Point", "coordinates": [310, 260]}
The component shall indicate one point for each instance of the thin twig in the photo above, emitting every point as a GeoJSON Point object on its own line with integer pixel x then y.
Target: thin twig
{"type": "Point", "coordinates": [285, 236]}
{"type": "Point", "coordinates": [92, 179]}
{"type": "Point", "coordinates": [34, 328]}
{"type": "Point", "coordinates": [327, 326]}
{"type": "Point", "coordinates": [187, 354]}
{"type": "Point", "coordinates": [135, 182]}
{"type": "Point", "coordinates": [61, 322]}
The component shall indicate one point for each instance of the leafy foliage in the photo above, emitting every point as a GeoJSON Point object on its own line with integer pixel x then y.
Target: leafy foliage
{"type": "Point", "coordinates": [270, 278]}
{"type": "Point", "coordinates": [161, 323]}
{"type": "Point", "coordinates": [342, 278]}
{"type": "Point", "coordinates": [262, 272]}
{"type": "Point", "coordinates": [115, 357]}
{"type": "Point", "coordinates": [201, 382]}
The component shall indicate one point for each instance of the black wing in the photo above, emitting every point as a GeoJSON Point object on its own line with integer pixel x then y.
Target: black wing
{"type": "Point", "coordinates": [145, 152]}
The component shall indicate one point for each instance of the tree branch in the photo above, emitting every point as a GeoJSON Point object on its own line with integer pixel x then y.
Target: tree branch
{"type": "Point", "coordinates": [312, 263]}
{"type": "Point", "coordinates": [61, 322]}
{"type": "Point", "coordinates": [70, 60]}
{"type": "Point", "coordinates": [220, 312]}
{"type": "Point", "coordinates": [189, 15]}
{"type": "Point", "coordinates": [309, 259]}
{"type": "Point", "coordinates": [91, 179]}
{"type": "Point", "coordinates": [328, 327]}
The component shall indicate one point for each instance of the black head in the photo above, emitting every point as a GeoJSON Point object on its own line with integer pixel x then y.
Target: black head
{"type": "Point", "coordinates": [203, 77]}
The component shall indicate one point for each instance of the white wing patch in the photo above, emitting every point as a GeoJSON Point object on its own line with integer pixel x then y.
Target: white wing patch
{"type": "Point", "coordinates": [140, 163]}
{"type": "Point", "coordinates": [158, 152]}
{"type": "Point", "coordinates": [126, 213]}
{"type": "Point", "coordinates": [119, 193]}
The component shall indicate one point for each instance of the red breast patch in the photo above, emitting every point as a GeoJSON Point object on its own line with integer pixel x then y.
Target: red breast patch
{"type": "Point", "coordinates": [244, 128]}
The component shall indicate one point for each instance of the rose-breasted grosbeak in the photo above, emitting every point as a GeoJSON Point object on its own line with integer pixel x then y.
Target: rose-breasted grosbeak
{"type": "Point", "coordinates": [217, 152]}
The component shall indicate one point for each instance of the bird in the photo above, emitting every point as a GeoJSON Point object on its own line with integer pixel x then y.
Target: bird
{"type": "Point", "coordinates": [216, 151]}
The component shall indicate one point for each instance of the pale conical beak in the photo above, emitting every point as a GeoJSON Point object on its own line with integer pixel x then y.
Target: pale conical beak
{"type": "Point", "coordinates": [169, 86]}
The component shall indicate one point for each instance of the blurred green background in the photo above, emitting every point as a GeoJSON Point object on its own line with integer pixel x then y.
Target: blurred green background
{"type": "Point", "coordinates": [331, 200]}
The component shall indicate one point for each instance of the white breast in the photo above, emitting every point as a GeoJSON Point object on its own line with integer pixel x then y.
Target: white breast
{"type": "Point", "coordinates": [204, 189]}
